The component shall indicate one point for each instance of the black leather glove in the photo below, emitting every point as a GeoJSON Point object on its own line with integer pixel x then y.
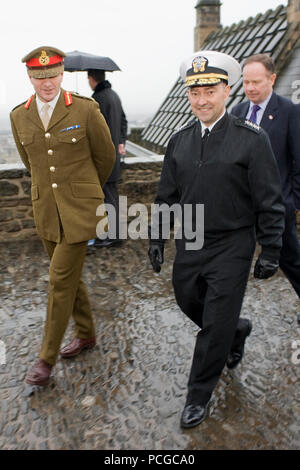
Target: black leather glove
{"type": "Point", "coordinates": [156, 256]}
{"type": "Point", "coordinates": [265, 268]}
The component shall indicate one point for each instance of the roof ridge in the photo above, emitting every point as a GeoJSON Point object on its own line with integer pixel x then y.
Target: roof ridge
{"type": "Point", "coordinates": [244, 23]}
{"type": "Point", "coordinates": [252, 18]}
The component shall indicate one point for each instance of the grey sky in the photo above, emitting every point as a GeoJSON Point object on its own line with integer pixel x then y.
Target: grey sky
{"type": "Point", "coordinates": [147, 38]}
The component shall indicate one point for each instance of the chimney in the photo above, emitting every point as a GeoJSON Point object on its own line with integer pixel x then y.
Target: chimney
{"type": "Point", "coordinates": [293, 34]}
{"type": "Point", "coordinates": [208, 20]}
{"type": "Point", "coordinates": [293, 17]}
{"type": "Point", "coordinates": [293, 12]}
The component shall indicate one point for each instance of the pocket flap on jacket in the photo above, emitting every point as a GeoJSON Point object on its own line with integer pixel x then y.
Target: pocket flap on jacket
{"type": "Point", "coordinates": [87, 190]}
{"type": "Point", "coordinates": [26, 139]}
{"type": "Point", "coordinates": [34, 192]}
{"type": "Point", "coordinates": [72, 137]}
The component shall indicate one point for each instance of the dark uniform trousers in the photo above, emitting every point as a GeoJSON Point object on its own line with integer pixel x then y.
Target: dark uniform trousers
{"type": "Point", "coordinates": [209, 287]}
{"type": "Point", "coordinates": [289, 260]}
{"type": "Point", "coordinates": [67, 296]}
{"type": "Point", "coordinates": [111, 195]}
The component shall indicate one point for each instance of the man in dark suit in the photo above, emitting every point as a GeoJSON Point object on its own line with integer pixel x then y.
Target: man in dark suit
{"type": "Point", "coordinates": [111, 108]}
{"type": "Point", "coordinates": [280, 118]}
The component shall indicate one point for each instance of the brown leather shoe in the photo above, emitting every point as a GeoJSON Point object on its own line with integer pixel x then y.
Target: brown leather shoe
{"type": "Point", "coordinates": [39, 374]}
{"type": "Point", "coordinates": [76, 346]}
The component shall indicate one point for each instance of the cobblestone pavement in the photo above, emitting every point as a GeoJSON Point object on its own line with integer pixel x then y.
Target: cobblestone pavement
{"type": "Point", "coordinates": [128, 393]}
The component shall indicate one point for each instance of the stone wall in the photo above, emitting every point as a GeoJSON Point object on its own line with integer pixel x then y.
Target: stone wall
{"type": "Point", "coordinates": [16, 217]}
{"type": "Point", "coordinates": [139, 184]}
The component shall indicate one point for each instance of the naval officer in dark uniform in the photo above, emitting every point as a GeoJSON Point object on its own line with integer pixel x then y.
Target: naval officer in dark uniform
{"type": "Point", "coordinates": [65, 144]}
{"type": "Point", "coordinates": [226, 164]}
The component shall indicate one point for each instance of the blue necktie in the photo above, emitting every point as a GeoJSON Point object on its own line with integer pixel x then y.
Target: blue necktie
{"type": "Point", "coordinates": [253, 116]}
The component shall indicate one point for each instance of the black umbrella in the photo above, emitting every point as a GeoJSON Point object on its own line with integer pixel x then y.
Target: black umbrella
{"type": "Point", "coordinates": [76, 61]}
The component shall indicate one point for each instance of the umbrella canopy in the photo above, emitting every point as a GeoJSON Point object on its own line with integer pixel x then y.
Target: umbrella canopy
{"type": "Point", "coordinates": [76, 61]}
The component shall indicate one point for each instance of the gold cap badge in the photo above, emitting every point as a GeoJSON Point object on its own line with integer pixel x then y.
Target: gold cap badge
{"type": "Point", "coordinates": [199, 64]}
{"type": "Point", "coordinates": [44, 58]}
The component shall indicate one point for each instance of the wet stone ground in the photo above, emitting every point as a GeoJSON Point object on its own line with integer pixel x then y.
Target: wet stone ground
{"type": "Point", "coordinates": [128, 393]}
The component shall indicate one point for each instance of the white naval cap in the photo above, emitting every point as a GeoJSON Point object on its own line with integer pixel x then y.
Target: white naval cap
{"type": "Point", "coordinates": [207, 68]}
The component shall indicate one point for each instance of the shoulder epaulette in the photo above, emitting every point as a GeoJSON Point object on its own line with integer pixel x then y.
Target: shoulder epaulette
{"type": "Point", "coordinates": [248, 125]}
{"type": "Point", "coordinates": [74, 93]}
{"type": "Point", "coordinates": [19, 105]}
{"type": "Point", "coordinates": [185, 126]}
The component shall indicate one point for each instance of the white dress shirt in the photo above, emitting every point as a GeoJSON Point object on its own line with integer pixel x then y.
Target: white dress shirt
{"type": "Point", "coordinates": [260, 112]}
{"type": "Point", "coordinates": [52, 104]}
{"type": "Point", "coordinates": [210, 128]}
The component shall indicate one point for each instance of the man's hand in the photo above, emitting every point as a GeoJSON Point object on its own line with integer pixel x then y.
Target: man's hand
{"type": "Point", "coordinates": [265, 268]}
{"type": "Point", "coordinates": [156, 256]}
{"type": "Point", "coordinates": [121, 149]}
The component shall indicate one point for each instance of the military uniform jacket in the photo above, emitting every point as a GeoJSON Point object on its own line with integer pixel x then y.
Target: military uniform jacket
{"type": "Point", "coordinates": [234, 175]}
{"type": "Point", "coordinates": [69, 164]}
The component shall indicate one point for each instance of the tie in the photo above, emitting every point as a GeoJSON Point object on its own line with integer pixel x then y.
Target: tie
{"type": "Point", "coordinates": [45, 117]}
{"type": "Point", "coordinates": [253, 116]}
{"type": "Point", "coordinates": [205, 135]}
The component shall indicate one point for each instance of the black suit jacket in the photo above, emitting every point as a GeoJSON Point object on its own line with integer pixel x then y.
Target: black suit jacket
{"type": "Point", "coordinates": [281, 121]}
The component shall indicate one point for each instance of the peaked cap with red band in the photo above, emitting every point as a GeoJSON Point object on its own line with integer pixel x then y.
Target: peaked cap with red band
{"type": "Point", "coordinates": [44, 62]}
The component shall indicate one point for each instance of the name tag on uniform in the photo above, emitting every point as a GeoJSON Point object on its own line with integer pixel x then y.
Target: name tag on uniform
{"type": "Point", "coordinates": [70, 128]}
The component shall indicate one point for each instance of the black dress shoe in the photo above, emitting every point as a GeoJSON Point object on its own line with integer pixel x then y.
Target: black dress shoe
{"type": "Point", "coordinates": [193, 415]}
{"type": "Point", "coordinates": [237, 351]}
{"type": "Point", "coordinates": [106, 243]}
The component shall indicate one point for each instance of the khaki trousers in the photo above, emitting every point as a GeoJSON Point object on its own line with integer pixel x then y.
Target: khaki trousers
{"type": "Point", "coordinates": [67, 296]}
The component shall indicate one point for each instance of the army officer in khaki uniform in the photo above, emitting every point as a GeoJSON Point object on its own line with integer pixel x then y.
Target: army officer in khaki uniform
{"type": "Point", "coordinates": [66, 145]}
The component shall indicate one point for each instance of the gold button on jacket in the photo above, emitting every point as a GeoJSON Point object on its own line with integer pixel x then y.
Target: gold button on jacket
{"type": "Point", "coordinates": [83, 157]}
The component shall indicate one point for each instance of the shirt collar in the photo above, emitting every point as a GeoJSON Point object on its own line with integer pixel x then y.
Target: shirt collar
{"type": "Point", "coordinates": [264, 104]}
{"type": "Point", "coordinates": [51, 103]}
{"type": "Point", "coordinates": [210, 128]}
